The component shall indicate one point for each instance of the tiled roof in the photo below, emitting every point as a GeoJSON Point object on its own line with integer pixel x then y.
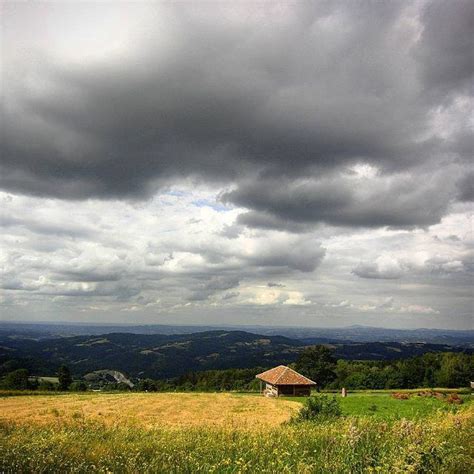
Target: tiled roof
{"type": "Point", "coordinates": [283, 375]}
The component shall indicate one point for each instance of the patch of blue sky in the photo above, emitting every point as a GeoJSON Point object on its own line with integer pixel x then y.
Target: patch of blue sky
{"type": "Point", "coordinates": [177, 193]}
{"type": "Point", "coordinates": [212, 204]}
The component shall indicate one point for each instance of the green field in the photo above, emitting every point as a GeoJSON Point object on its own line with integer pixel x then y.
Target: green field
{"type": "Point", "coordinates": [383, 407]}
{"type": "Point", "coordinates": [198, 432]}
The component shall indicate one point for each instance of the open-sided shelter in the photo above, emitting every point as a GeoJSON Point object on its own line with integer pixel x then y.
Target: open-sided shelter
{"type": "Point", "coordinates": [283, 381]}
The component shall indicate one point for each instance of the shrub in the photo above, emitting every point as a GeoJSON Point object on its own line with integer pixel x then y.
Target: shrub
{"type": "Point", "coordinates": [78, 387]}
{"type": "Point", "coordinates": [400, 396]}
{"type": "Point", "coordinates": [319, 407]}
{"type": "Point", "coordinates": [454, 399]}
{"type": "Point", "coordinates": [46, 385]}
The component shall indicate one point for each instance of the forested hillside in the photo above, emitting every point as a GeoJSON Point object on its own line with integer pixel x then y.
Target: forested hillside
{"type": "Point", "coordinates": [167, 356]}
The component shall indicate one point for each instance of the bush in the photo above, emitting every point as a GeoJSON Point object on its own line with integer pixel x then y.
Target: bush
{"type": "Point", "coordinates": [319, 407]}
{"type": "Point", "coordinates": [46, 385]}
{"type": "Point", "coordinates": [454, 399]}
{"type": "Point", "coordinates": [78, 387]}
{"type": "Point", "coordinates": [400, 395]}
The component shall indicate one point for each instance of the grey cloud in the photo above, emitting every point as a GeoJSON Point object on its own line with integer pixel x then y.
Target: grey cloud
{"type": "Point", "coordinates": [264, 220]}
{"type": "Point", "coordinates": [90, 275]}
{"type": "Point", "coordinates": [451, 266]}
{"type": "Point", "coordinates": [315, 122]}
{"type": "Point", "coordinates": [400, 200]}
{"type": "Point", "coordinates": [349, 84]}
{"type": "Point", "coordinates": [454, 238]}
{"type": "Point", "coordinates": [387, 303]}
{"type": "Point", "coordinates": [446, 45]}
{"type": "Point", "coordinates": [231, 231]}
{"type": "Point", "coordinates": [374, 270]}
{"type": "Point", "coordinates": [16, 285]}
{"type": "Point", "coordinates": [268, 257]}
{"type": "Point", "coordinates": [457, 267]}
{"type": "Point", "coordinates": [304, 257]}
{"type": "Point", "coordinates": [47, 228]}
{"type": "Point", "coordinates": [118, 291]}
{"type": "Point", "coordinates": [212, 286]}
{"type": "Point", "coordinates": [231, 295]}
{"type": "Point", "coordinates": [466, 187]}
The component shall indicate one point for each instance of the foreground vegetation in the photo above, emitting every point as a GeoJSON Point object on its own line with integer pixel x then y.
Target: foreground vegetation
{"type": "Point", "coordinates": [53, 429]}
{"type": "Point", "coordinates": [438, 444]}
{"type": "Point", "coordinates": [202, 432]}
{"type": "Point", "coordinates": [207, 409]}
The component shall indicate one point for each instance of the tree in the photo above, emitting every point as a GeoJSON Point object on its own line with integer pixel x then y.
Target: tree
{"type": "Point", "coordinates": [456, 370]}
{"type": "Point", "coordinates": [317, 363]}
{"type": "Point", "coordinates": [64, 376]}
{"type": "Point", "coordinates": [16, 380]}
{"type": "Point", "coordinates": [146, 385]}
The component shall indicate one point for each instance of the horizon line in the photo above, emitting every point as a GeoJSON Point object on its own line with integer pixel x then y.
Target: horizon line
{"type": "Point", "coordinates": [353, 326]}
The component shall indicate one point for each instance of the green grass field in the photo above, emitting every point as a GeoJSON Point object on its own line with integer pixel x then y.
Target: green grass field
{"type": "Point", "coordinates": [383, 407]}
{"type": "Point", "coordinates": [196, 432]}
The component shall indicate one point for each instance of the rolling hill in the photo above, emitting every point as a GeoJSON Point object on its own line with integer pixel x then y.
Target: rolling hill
{"type": "Point", "coordinates": [165, 356]}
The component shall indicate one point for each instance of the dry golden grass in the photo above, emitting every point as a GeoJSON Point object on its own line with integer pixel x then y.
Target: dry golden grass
{"type": "Point", "coordinates": [149, 409]}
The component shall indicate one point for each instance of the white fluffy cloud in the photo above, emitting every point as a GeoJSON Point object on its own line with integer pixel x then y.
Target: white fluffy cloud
{"type": "Point", "coordinates": [170, 259]}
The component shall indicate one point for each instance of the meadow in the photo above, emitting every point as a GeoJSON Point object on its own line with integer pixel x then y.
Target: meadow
{"type": "Point", "coordinates": [148, 410]}
{"type": "Point", "coordinates": [197, 432]}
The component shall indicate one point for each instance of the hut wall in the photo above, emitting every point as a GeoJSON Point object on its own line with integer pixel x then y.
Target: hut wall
{"type": "Point", "coordinates": [270, 390]}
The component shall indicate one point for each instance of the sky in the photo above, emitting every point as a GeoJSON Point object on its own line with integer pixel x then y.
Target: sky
{"type": "Point", "coordinates": [238, 163]}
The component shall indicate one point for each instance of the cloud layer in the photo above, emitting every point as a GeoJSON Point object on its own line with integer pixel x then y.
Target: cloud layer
{"type": "Point", "coordinates": [292, 127]}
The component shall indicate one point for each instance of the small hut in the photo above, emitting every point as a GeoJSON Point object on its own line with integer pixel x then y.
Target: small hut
{"type": "Point", "coordinates": [283, 381]}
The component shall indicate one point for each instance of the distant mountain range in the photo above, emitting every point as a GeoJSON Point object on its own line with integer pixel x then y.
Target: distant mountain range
{"type": "Point", "coordinates": [462, 338]}
{"type": "Point", "coordinates": [166, 356]}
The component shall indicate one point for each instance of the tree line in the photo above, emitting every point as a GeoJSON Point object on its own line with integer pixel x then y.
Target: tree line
{"type": "Point", "coordinates": [451, 370]}
{"type": "Point", "coordinates": [447, 369]}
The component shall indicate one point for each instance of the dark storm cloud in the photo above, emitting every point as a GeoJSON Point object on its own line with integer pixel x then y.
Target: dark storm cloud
{"type": "Point", "coordinates": [303, 257]}
{"type": "Point", "coordinates": [466, 187]}
{"type": "Point", "coordinates": [310, 91]}
{"type": "Point", "coordinates": [445, 50]}
{"type": "Point", "coordinates": [397, 201]}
